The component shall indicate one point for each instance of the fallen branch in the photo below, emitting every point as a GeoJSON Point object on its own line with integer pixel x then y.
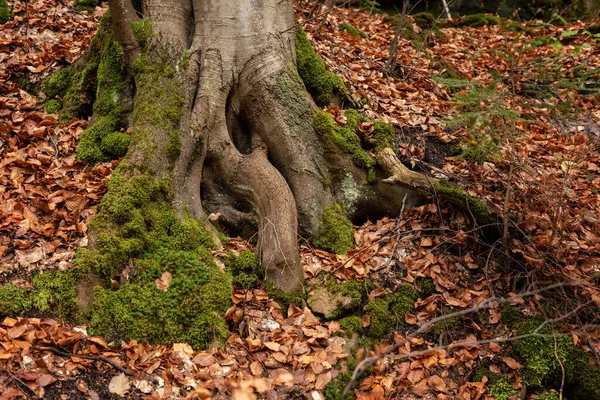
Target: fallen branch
{"type": "Point", "coordinates": [87, 357]}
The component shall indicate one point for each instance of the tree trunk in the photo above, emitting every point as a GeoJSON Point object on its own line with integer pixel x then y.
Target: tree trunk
{"type": "Point", "coordinates": [222, 117]}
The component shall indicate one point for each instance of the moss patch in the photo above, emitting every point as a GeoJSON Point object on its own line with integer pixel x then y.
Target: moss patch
{"type": "Point", "coordinates": [343, 137]}
{"type": "Point", "coordinates": [582, 377]}
{"type": "Point", "coordinates": [4, 13]}
{"type": "Point", "coordinates": [142, 32]}
{"type": "Point", "coordinates": [86, 5]}
{"type": "Point", "coordinates": [501, 389]}
{"type": "Point", "coordinates": [387, 312]}
{"type": "Point", "coordinates": [53, 106]}
{"type": "Point", "coordinates": [478, 20]}
{"type": "Point", "coordinates": [344, 26]}
{"type": "Point", "coordinates": [75, 86]}
{"type": "Point", "coordinates": [191, 310]}
{"type": "Point", "coordinates": [383, 136]}
{"type": "Point", "coordinates": [244, 269]}
{"type": "Point", "coordinates": [336, 233]}
{"type": "Point", "coordinates": [136, 220]}
{"type": "Point", "coordinates": [424, 20]}
{"type": "Point", "coordinates": [14, 300]}
{"type": "Point", "coordinates": [320, 83]}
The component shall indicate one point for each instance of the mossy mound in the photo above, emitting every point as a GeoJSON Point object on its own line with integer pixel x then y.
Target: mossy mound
{"type": "Point", "coordinates": [53, 106]}
{"type": "Point", "coordinates": [190, 310]}
{"type": "Point", "coordinates": [424, 20]}
{"type": "Point", "coordinates": [336, 233]}
{"type": "Point", "coordinates": [136, 220]}
{"type": "Point", "coordinates": [344, 26]}
{"type": "Point", "coordinates": [320, 83]}
{"type": "Point", "coordinates": [478, 20]}
{"type": "Point", "coordinates": [541, 353]}
{"type": "Point", "coordinates": [4, 13]}
{"type": "Point", "coordinates": [86, 5]}
{"type": "Point", "coordinates": [387, 312]}
{"type": "Point", "coordinates": [54, 292]}
{"type": "Point", "coordinates": [76, 86]}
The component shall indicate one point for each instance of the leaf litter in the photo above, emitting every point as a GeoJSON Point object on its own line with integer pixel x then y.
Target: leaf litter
{"type": "Point", "coordinates": [48, 198]}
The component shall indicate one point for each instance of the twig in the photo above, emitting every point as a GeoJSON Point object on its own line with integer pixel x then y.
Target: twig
{"type": "Point", "coordinates": [87, 357]}
{"type": "Point", "coordinates": [562, 368]}
{"type": "Point", "coordinates": [20, 384]}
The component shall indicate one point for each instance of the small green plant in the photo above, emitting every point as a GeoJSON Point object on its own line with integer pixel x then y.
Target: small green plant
{"type": "Point", "coordinates": [488, 115]}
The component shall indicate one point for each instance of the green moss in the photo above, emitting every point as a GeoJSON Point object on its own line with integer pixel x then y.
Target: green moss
{"type": "Point", "coordinates": [502, 389]}
{"type": "Point", "coordinates": [426, 288]}
{"type": "Point", "coordinates": [53, 106]}
{"type": "Point", "coordinates": [142, 32]}
{"type": "Point", "coordinates": [174, 146]}
{"type": "Point", "coordinates": [336, 233]}
{"type": "Point", "coordinates": [4, 13]}
{"type": "Point", "coordinates": [382, 323]}
{"type": "Point", "coordinates": [115, 144]}
{"type": "Point", "coordinates": [458, 197]}
{"type": "Point", "coordinates": [383, 136]}
{"type": "Point", "coordinates": [424, 20]}
{"type": "Point", "coordinates": [244, 269]}
{"type": "Point", "coordinates": [354, 290]}
{"type": "Point", "coordinates": [57, 83]}
{"type": "Point", "coordinates": [448, 324]}
{"type": "Point", "coordinates": [14, 300]}
{"type": "Point", "coordinates": [191, 310]}
{"type": "Point", "coordinates": [284, 298]}
{"type": "Point", "coordinates": [95, 142]}
{"type": "Point", "coordinates": [351, 325]}
{"type": "Point", "coordinates": [344, 26]}
{"type": "Point", "coordinates": [56, 292]}
{"type": "Point", "coordinates": [477, 20]}
{"type": "Point", "coordinates": [86, 5]}
{"type": "Point", "coordinates": [409, 34]}
{"type": "Point", "coordinates": [540, 355]}
{"type": "Point", "coordinates": [320, 83]}
{"type": "Point", "coordinates": [387, 312]}
{"type": "Point", "coordinates": [343, 137]}
{"type": "Point", "coordinates": [510, 316]}
{"type": "Point", "coordinates": [335, 388]}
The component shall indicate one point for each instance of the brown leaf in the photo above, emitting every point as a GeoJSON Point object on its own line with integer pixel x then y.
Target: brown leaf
{"type": "Point", "coordinates": [163, 282]}
{"type": "Point", "coordinates": [512, 363]}
{"type": "Point", "coordinates": [437, 383]}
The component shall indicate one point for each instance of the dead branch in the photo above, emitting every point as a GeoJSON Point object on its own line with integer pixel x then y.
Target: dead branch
{"type": "Point", "coordinates": [87, 357]}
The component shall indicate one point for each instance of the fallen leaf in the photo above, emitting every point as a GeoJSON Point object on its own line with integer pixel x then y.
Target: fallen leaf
{"type": "Point", "coordinates": [119, 385]}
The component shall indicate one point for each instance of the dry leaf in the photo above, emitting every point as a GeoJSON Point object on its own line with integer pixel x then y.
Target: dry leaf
{"type": "Point", "coordinates": [119, 385]}
{"type": "Point", "coordinates": [163, 282]}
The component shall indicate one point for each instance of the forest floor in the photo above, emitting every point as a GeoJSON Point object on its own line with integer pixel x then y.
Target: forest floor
{"type": "Point", "coordinates": [510, 112]}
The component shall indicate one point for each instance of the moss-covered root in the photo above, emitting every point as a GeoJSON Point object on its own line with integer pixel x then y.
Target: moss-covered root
{"type": "Point", "coordinates": [464, 201]}
{"type": "Point", "coordinates": [336, 233]}
{"type": "Point", "coordinates": [320, 83]}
